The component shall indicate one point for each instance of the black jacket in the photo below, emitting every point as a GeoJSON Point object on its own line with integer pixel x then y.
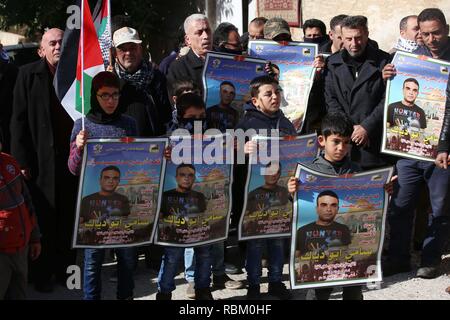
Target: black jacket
{"type": "Point", "coordinates": [362, 99]}
{"type": "Point", "coordinates": [32, 138]}
{"type": "Point", "coordinates": [142, 107]}
{"type": "Point", "coordinates": [255, 119]}
{"type": "Point", "coordinates": [346, 166]}
{"type": "Point", "coordinates": [188, 67]}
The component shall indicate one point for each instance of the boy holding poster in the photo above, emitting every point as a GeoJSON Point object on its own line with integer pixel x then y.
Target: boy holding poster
{"type": "Point", "coordinates": [264, 113]}
{"type": "Point", "coordinates": [335, 139]}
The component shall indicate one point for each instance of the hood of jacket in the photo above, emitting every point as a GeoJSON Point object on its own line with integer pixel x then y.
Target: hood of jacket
{"type": "Point", "coordinates": [345, 166]}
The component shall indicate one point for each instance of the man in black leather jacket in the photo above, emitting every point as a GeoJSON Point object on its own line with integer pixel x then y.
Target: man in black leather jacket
{"type": "Point", "coordinates": [412, 174]}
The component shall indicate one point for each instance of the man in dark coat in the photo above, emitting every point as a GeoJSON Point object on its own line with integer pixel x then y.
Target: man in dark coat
{"type": "Point", "coordinates": [40, 131]}
{"type": "Point", "coordinates": [143, 86]}
{"type": "Point", "coordinates": [199, 39]}
{"type": "Point", "coordinates": [354, 85]}
{"type": "Point", "coordinates": [412, 174]}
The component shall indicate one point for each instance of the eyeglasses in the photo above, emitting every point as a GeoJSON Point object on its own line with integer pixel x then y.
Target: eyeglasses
{"type": "Point", "coordinates": [107, 96]}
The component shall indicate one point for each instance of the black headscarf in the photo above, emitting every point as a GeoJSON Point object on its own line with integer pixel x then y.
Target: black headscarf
{"type": "Point", "coordinates": [96, 114]}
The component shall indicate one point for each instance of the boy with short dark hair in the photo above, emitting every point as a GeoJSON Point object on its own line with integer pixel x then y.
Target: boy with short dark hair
{"type": "Point", "coordinates": [335, 140]}
{"type": "Point", "coordinates": [263, 113]}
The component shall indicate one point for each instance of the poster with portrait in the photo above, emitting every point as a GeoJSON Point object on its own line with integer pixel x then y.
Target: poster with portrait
{"type": "Point", "coordinates": [119, 192]}
{"type": "Point", "coordinates": [267, 211]}
{"type": "Point", "coordinates": [338, 228]}
{"type": "Point", "coordinates": [415, 105]}
{"type": "Point", "coordinates": [295, 61]}
{"type": "Point", "coordinates": [196, 199]}
{"type": "Point", "coordinates": [226, 82]}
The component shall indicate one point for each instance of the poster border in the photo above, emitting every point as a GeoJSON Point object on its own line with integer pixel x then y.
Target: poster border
{"type": "Point", "coordinates": [228, 56]}
{"type": "Point", "coordinates": [313, 72]}
{"type": "Point", "coordinates": [80, 192]}
{"type": "Point", "coordinates": [404, 155]}
{"type": "Point", "coordinates": [333, 283]}
{"type": "Point", "coordinates": [247, 184]}
{"type": "Point", "coordinates": [208, 242]}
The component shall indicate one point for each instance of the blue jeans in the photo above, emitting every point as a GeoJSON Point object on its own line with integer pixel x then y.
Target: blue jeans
{"type": "Point", "coordinates": [411, 174]}
{"type": "Point", "coordinates": [254, 257]}
{"type": "Point", "coordinates": [126, 264]}
{"type": "Point", "coordinates": [218, 258]}
{"type": "Point", "coordinates": [169, 268]}
{"type": "Point", "coordinates": [189, 264]}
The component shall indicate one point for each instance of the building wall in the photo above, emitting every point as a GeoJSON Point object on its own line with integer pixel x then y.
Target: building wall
{"type": "Point", "coordinates": [384, 15]}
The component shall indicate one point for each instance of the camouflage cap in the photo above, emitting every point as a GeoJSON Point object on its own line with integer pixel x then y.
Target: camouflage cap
{"type": "Point", "coordinates": [274, 27]}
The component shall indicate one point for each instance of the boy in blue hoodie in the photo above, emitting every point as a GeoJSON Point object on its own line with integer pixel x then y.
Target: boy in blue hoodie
{"type": "Point", "coordinates": [263, 113]}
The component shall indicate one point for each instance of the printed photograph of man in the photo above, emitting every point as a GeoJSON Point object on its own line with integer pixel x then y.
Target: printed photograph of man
{"type": "Point", "coordinates": [107, 203]}
{"type": "Point", "coordinates": [223, 116]}
{"type": "Point", "coordinates": [406, 114]}
{"type": "Point", "coordinates": [182, 202]}
{"type": "Point", "coordinates": [267, 198]}
{"type": "Point", "coordinates": [324, 233]}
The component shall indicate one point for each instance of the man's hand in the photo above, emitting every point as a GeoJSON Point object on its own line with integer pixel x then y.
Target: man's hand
{"type": "Point", "coordinates": [360, 136]}
{"type": "Point", "coordinates": [389, 187]}
{"type": "Point", "coordinates": [319, 62]}
{"type": "Point", "coordinates": [250, 147]}
{"type": "Point", "coordinates": [168, 153]}
{"type": "Point", "coordinates": [293, 185]}
{"type": "Point", "coordinates": [81, 139]}
{"type": "Point", "coordinates": [442, 160]}
{"type": "Point", "coordinates": [389, 71]}
{"type": "Point", "coordinates": [35, 250]}
{"type": "Point", "coordinates": [26, 173]}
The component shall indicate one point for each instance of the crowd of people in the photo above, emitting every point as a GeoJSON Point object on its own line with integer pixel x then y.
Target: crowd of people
{"type": "Point", "coordinates": [138, 98]}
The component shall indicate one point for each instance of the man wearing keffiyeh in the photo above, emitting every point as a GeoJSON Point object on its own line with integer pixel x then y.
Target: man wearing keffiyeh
{"type": "Point", "coordinates": [144, 93]}
{"type": "Point", "coordinates": [410, 38]}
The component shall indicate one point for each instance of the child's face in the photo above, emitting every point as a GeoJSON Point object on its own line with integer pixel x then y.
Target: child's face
{"type": "Point", "coordinates": [268, 99]}
{"type": "Point", "coordinates": [194, 113]}
{"type": "Point", "coordinates": [336, 146]}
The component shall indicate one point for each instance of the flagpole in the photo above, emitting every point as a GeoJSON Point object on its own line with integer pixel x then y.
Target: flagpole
{"type": "Point", "coordinates": [109, 31]}
{"type": "Point", "coordinates": [109, 18]}
{"type": "Point", "coordinates": [82, 63]}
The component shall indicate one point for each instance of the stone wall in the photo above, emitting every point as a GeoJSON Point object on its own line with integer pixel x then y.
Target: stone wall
{"type": "Point", "coordinates": [384, 15]}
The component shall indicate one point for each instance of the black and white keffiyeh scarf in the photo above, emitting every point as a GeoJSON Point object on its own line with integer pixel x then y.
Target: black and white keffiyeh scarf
{"type": "Point", "coordinates": [406, 45]}
{"type": "Point", "coordinates": [141, 79]}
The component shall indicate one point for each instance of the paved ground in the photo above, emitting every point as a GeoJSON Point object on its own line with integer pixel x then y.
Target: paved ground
{"type": "Point", "coordinates": [399, 287]}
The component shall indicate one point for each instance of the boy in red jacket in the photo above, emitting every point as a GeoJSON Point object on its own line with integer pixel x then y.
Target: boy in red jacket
{"type": "Point", "coordinates": [19, 231]}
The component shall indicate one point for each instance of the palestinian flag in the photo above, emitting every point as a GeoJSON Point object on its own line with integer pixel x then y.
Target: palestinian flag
{"type": "Point", "coordinates": [75, 56]}
{"type": "Point", "coordinates": [102, 23]}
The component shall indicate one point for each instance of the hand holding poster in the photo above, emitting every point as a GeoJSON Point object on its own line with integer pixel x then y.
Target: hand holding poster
{"type": "Point", "coordinates": [196, 201]}
{"type": "Point", "coordinates": [338, 228]}
{"type": "Point", "coordinates": [226, 80]}
{"type": "Point", "coordinates": [119, 192]}
{"type": "Point", "coordinates": [415, 105]}
{"type": "Point", "coordinates": [267, 210]}
{"type": "Point", "coordinates": [295, 60]}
